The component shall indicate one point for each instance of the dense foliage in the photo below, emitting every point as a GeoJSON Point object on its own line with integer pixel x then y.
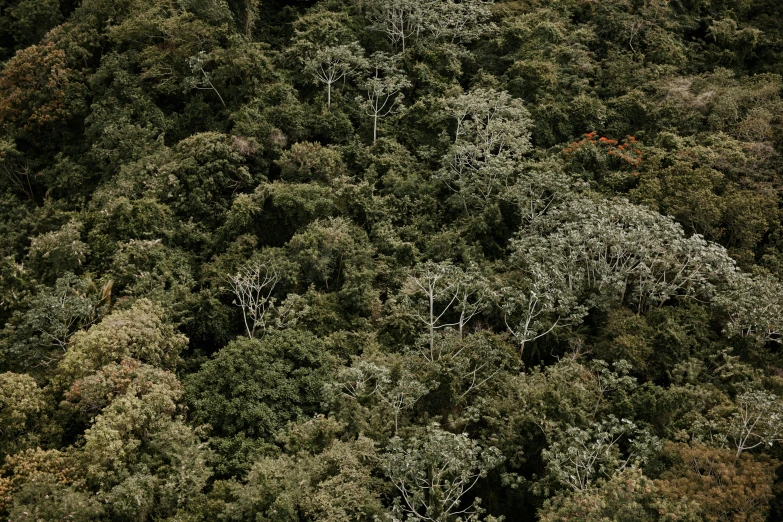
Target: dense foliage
{"type": "Point", "coordinates": [346, 260]}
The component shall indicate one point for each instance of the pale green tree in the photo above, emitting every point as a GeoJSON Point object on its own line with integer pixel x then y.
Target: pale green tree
{"type": "Point", "coordinates": [252, 286]}
{"type": "Point", "coordinates": [384, 91]}
{"type": "Point", "coordinates": [491, 135]}
{"type": "Point", "coordinates": [330, 65]}
{"type": "Point", "coordinates": [442, 20]}
{"type": "Point", "coordinates": [754, 305]}
{"type": "Point", "coordinates": [458, 21]}
{"type": "Point", "coordinates": [538, 304]}
{"type": "Point", "coordinates": [441, 295]}
{"type": "Point", "coordinates": [613, 251]}
{"type": "Point", "coordinates": [396, 388]}
{"type": "Point", "coordinates": [758, 421]}
{"type": "Point", "coordinates": [578, 456]}
{"type": "Point", "coordinates": [139, 332]}
{"type": "Point", "coordinates": [54, 253]}
{"type": "Point", "coordinates": [434, 472]}
{"type": "Point", "coordinates": [399, 20]}
{"type": "Point", "coordinates": [318, 478]}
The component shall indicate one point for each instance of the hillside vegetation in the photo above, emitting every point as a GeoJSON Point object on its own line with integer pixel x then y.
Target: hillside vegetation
{"type": "Point", "coordinates": [391, 260]}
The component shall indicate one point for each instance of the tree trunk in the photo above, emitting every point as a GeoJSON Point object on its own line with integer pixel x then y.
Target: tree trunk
{"type": "Point", "coordinates": [432, 326]}
{"type": "Point", "coordinates": [250, 17]}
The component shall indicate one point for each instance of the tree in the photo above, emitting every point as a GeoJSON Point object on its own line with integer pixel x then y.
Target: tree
{"type": "Point", "coordinates": [251, 16]}
{"type": "Point", "coordinates": [32, 19]}
{"type": "Point", "coordinates": [396, 388]}
{"type": "Point", "coordinates": [308, 162]}
{"type": "Point", "coordinates": [723, 488]}
{"type": "Point", "coordinates": [437, 284]}
{"type": "Point", "coordinates": [141, 455]}
{"type": "Point", "coordinates": [477, 361]}
{"type": "Point", "coordinates": [255, 386]}
{"type": "Point", "coordinates": [336, 255]}
{"type": "Point", "coordinates": [441, 295]}
{"type": "Point", "coordinates": [398, 19]}
{"type": "Point", "coordinates": [383, 91]}
{"type": "Point", "coordinates": [39, 89]}
{"type": "Point", "coordinates": [40, 335]}
{"type": "Point", "coordinates": [318, 477]}
{"type": "Point", "coordinates": [539, 189]}
{"type": "Point", "coordinates": [544, 301]}
{"type": "Point", "coordinates": [208, 168]}
{"type": "Point", "coordinates": [458, 21]}
{"type": "Point", "coordinates": [139, 332]}
{"type": "Point", "coordinates": [16, 169]}
{"type": "Point", "coordinates": [450, 20]}
{"type": "Point", "coordinates": [22, 405]}
{"type": "Point", "coordinates": [201, 79]}
{"type": "Point", "coordinates": [253, 285]}
{"type": "Point", "coordinates": [434, 472]}
{"type": "Point", "coordinates": [54, 253]}
{"type": "Point", "coordinates": [330, 65]}
{"type": "Point", "coordinates": [753, 306]}
{"type": "Point", "coordinates": [492, 134]}
{"type": "Point", "coordinates": [758, 421]}
{"type": "Point", "coordinates": [622, 253]}
{"type": "Point", "coordinates": [579, 455]}
{"type": "Point", "coordinates": [45, 499]}
{"type": "Point", "coordinates": [628, 496]}
{"type": "Point", "coordinates": [89, 395]}
{"type": "Point", "coordinates": [31, 474]}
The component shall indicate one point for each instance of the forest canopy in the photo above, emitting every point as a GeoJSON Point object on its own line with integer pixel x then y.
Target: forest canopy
{"type": "Point", "coordinates": [391, 260]}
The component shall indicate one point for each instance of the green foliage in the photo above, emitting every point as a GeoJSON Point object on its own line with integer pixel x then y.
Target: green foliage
{"type": "Point", "coordinates": [44, 500]}
{"type": "Point", "coordinates": [124, 123]}
{"type": "Point", "coordinates": [382, 389]}
{"type": "Point", "coordinates": [32, 19]}
{"type": "Point", "coordinates": [144, 455]}
{"type": "Point", "coordinates": [431, 260]}
{"type": "Point", "coordinates": [310, 162]}
{"type": "Point", "coordinates": [337, 252]}
{"type": "Point", "coordinates": [405, 21]}
{"type": "Point", "coordinates": [138, 332]}
{"type": "Point", "coordinates": [624, 250]}
{"type": "Point", "coordinates": [39, 335]}
{"type": "Point", "coordinates": [257, 386]}
{"type": "Point", "coordinates": [91, 394]}
{"type": "Point", "coordinates": [330, 480]}
{"type": "Point", "coordinates": [628, 495]}
{"type": "Point", "coordinates": [55, 253]}
{"type": "Point", "coordinates": [22, 406]}
{"type": "Point", "coordinates": [492, 135]}
{"type": "Point", "coordinates": [334, 64]}
{"type": "Point", "coordinates": [434, 472]}
{"type": "Point", "coordinates": [578, 455]}
{"type": "Point", "coordinates": [207, 170]}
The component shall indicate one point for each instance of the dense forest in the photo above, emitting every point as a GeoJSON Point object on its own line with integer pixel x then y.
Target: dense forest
{"type": "Point", "coordinates": [391, 260]}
